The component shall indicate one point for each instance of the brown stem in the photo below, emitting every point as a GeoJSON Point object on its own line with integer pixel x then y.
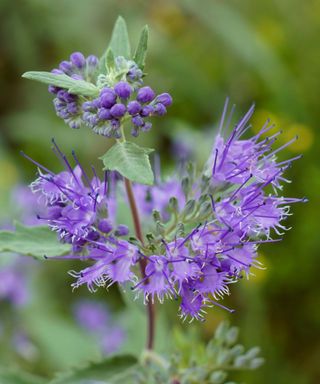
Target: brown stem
{"type": "Point", "coordinates": [142, 262]}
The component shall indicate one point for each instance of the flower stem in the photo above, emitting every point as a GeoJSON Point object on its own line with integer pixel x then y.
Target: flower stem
{"type": "Point", "coordinates": [142, 262]}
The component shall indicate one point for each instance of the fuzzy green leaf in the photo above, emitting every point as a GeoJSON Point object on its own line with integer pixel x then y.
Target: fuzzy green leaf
{"type": "Point", "coordinates": [131, 161]}
{"type": "Point", "coordinates": [141, 51]}
{"type": "Point", "coordinates": [77, 87]}
{"type": "Point", "coordinates": [119, 43]}
{"type": "Point", "coordinates": [109, 371]}
{"type": "Point", "coordinates": [32, 241]}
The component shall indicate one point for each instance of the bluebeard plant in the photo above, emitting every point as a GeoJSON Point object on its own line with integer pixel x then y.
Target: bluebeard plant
{"type": "Point", "coordinates": [200, 228]}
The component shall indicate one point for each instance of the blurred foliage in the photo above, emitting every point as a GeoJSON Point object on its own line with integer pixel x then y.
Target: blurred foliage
{"type": "Point", "coordinates": [267, 52]}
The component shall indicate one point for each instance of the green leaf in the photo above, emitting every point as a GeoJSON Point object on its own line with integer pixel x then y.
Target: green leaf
{"type": "Point", "coordinates": [32, 241]}
{"type": "Point", "coordinates": [119, 43]}
{"type": "Point", "coordinates": [77, 87]}
{"type": "Point", "coordinates": [141, 51]}
{"type": "Point", "coordinates": [110, 369]}
{"type": "Point", "coordinates": [131, 161]}
{"type": "Point", "coordinates": [12, 376]}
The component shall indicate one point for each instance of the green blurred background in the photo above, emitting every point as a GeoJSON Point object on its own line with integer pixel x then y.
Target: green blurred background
{"type": "Point", "coordinates": [201, 52]}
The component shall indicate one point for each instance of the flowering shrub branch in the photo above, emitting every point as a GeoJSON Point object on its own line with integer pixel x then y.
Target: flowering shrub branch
{"type": "Point", "coordinates": [195, 234]}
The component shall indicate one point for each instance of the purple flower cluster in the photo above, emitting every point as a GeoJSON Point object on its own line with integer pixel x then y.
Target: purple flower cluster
{"type": "Point", "coordinates": [96, 319]}
{"type": "Point", "coordinates": [118, 101]}
{"type": "Point", "coordinates": [67, 105]}
{"type": "Point", "coordinates": [243, 179]}
{"type": "Point", "coordinates": [81, 210]}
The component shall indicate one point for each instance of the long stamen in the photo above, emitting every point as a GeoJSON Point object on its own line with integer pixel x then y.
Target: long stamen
{"type": "Point", "coordinates": [282, 147]}
{"type": "Point", "coordinates": [215, 162]}
{"type": "Point", "coordinates": [238, 261]}
{"type": "Point", "coordinates": [82, 170]}
{"type": "Point", "coordinates": [230, 117]}
{"type": "Point", "coordinates": [238, 189]}
{"type": "Point", "coordinates": [105, 183]}
{"type": "Point", "coordinates": [36, 163]}
{"type": "Point", "coordinates": [242, 124]}
{"type": "Point", "coordinates": [189, 236]}
{"type": "Point", "coordinates": [222, 306]}
{"type": "Point", "coordinates": [223, 115]}
{"type": "Point", "coordinates": [290, 160]}
{"type": "Point", "coordinates": [64, 158]}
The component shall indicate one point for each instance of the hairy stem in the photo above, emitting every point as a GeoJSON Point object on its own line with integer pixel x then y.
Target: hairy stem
{"type": "Point", "coordinates": [142, 263]}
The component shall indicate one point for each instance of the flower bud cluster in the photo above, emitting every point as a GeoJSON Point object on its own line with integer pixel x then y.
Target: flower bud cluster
{"type": "Point", "coordinates": [119, 100]}
{"type": "Point", "coordinates": [67, 105]}
{"type": "Point", "coordinates": [105, 114]}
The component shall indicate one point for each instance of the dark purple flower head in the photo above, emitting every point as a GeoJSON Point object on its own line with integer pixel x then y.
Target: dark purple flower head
{"type": "Point", "coordinates": [118, 110]}
{"type": "Point", "coordinates": [123, 89]}
{"type": "Point", "coordinates": [105, 114]}
{"type": "Point", "coordinates": [145, 95]}
{"type": "Point", "coordinates": [164, 99]}
{"type": "Point", "coordinates": [78, 60]}
{"type": "Point", "coordinates": [134, 107]}
{"type": "Point", "coordinates": [107, 97]}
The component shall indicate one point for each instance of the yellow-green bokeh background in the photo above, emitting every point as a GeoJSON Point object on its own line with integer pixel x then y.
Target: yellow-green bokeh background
{"type": "Point", "coordinates": [200, 51]}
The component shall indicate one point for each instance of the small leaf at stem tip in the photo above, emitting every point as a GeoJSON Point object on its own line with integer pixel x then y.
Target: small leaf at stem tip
{"type": "Point", "coordinates": [131, 161]}
{"type": "Point", "coordinates": [77, 87]}
{"type": "Point", "coordinates": [141, 51]}
{"type": "Point", "coordinates": [119, 42]}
